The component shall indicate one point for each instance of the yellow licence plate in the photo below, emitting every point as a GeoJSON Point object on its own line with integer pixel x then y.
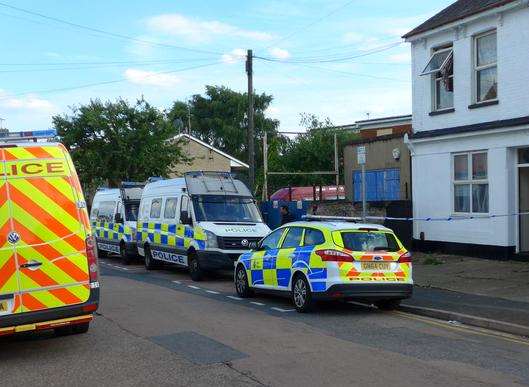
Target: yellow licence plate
{"type": "Point", "coordinates": [376, 266]}
{"type": "Point", "coordinates": [4, 306]}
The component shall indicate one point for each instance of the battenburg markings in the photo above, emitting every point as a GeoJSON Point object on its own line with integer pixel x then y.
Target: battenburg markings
{"type": "Point", "coordinates": [170, 257]}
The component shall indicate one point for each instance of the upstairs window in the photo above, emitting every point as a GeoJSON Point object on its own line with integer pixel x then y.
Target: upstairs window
{"type": "Point", "coordinates": [486, 67]}
{"type": "Point", "coordinates": [441, 68]}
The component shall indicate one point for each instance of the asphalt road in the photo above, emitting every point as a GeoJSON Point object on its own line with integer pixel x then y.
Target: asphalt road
{"type": "Point", "coordinates": [159, 328]}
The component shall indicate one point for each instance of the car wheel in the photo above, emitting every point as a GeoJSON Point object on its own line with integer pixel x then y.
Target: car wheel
{"type": "Point", "coordinates": [101, 253]}
{"type": "Point", "coordinates": [125, 257]}
{"type": "Point", "coordinates": [195, 271]}
{"type": "Point", "coordinates": [387, 304]}
{"type": "Point", "coordinates": [301, 294]}
{"type": "Point", "coordinates": [241, 283]}
{"type": "Point", "coordinates": [150, 263]}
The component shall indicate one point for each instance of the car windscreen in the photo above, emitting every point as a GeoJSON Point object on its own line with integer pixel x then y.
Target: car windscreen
{"type": "Point", "coordinates": [370, 241]}
{"type": "Point", "coordinates": [131, 211]}
{"type": "Point", "coordinates": [222, 208]}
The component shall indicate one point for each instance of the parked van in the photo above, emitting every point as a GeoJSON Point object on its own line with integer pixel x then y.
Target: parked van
{"type": "Point", "coordinates": [114, 216]}
{"type": "Point", "coordinates": [203, 221]}
{"type": "Point", "coordinates": [48, 261]}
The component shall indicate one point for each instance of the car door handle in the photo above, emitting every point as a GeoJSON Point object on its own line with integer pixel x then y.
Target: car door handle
{"type": "Point", "coordinates": [31, 265]}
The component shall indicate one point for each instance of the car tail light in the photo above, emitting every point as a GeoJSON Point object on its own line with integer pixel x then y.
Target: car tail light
{"type": "Point", "coordinates": [334, 256]}
{"type": "Point", "coordinates": [405, 258]}
{"type": "Point", "coordinates": [92, 258]}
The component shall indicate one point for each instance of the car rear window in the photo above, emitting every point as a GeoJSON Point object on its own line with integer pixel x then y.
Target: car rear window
{"type": "Point", "coordinates": [369, 241]}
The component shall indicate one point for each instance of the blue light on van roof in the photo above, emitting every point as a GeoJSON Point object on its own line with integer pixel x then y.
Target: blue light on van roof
{"type": "Point", "coordinates": [49, 133]}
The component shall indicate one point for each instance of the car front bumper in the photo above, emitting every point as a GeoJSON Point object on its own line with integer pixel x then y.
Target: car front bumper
{"type": "Point", "coordinates": [366, 292]}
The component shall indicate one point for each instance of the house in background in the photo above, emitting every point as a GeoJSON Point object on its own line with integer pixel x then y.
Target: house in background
{"type": "Point", "coordinates": [388, 167]}
{"type": "Point", "coordinates": [205, 157]}
{"type": "Point", "coordinates": [470, 145]}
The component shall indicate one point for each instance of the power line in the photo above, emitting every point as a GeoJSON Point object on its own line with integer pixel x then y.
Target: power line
{"type": "Point", "coordinates": [310, 24]}
{"type": "Point", "coordinates": [316, 59]}
{"type": "Point", "coordinates": [351, 74]}
{"type": "Point", "coordinates": [5, 97]}
{"type": "Point", "coordinates": [175, 60]}
{"type": "Point", "coordinates": [107, 33]}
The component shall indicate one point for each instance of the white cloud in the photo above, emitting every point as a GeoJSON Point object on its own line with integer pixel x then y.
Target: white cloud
{"type": "Point", "coordinates": [151, 78]}
{"type": "Point", "coordinates": [30, 103]}
{"type": "Point", "coordinates": [234, 56]}
{"type": "Point", "coordinates": [404, 57]}
{"type": "Point", "coordinates": [279, 53]}
{"type": "Point", "coordinates": [198, 30]}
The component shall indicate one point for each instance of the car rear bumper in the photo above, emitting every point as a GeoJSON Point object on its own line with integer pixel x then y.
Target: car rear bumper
{"type": "Point", "coordinates": [367, 292]}
{"type": "Point", "coordinates": [42, 317]}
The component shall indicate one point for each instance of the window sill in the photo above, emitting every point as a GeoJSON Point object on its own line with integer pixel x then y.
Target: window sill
{"type": "Point", "coordinates": [468, 215]}
{"type": "Point", "coordinates": [483, 104]}
{"type": "Point", "coordinates": [439, 112]}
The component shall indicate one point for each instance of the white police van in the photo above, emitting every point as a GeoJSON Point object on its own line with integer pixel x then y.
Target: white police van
{"type": "Point", "coordinates": [203, 221]}
{"type": "Point", "coordinates": [114, 215]}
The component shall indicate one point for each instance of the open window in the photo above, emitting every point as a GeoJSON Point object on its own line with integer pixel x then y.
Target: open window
{"type": "Point", "coordinates": [441, 69]}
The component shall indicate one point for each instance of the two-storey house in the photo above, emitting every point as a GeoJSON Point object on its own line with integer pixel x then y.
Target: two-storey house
{"type": "Point", "coordinates": [470, 145]}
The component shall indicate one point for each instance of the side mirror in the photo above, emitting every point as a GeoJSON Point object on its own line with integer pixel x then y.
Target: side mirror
{"type": "Point", "coordinates": [118, 218]}
{"type": "Point", "coordinates": [185, 218]}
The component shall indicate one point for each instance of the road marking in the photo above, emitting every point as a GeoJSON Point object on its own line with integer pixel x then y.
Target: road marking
{"type": "Point", "coordinates": [193, 287]}
{"type": "Point", "coordinates": [176, 282]}
{"type": "Point", "coordinates": [282, 310]}
{"type": "Point", "coordinates": [235, 298]}
{"type": "Point", "coordinates": [212, 292]}
{"type": "Point", "coordinates": [464, 328]}
{"type": "Point", "coordinates": [257, 303]}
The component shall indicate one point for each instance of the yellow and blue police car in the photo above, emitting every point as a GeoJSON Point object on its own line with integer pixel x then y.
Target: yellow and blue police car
{"type": "Point", "coordinates": [325, 258]}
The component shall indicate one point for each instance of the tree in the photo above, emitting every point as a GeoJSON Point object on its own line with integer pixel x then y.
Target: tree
{"type": "Point", "coordinates": [117, 141]}
{"type": "Point", "coordinates": [219, 118]}
{"type": "Point", "coordinates": [309, 152]}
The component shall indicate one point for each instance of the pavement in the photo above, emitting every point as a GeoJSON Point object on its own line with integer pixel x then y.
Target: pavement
{"type": "Point", "coordinates": [160, 328]}
{"type": "Point", "coordinates": [486, 293]}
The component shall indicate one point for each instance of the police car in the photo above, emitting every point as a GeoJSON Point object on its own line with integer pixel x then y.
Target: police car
{"type": "Point", "coordinates": [324, 258]}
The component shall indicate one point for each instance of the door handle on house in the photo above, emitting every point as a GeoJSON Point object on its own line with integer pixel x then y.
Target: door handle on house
{"type": "Point", "coordinates": [31, 265]}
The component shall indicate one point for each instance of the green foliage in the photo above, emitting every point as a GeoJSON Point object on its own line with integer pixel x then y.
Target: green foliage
{"type": "Point", "coordinates": [117, 141]}
{"type": "Point", "coordinates": [309, 152]}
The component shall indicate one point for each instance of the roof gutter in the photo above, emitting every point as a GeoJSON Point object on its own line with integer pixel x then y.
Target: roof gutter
{"type": "Point", "coordinates": [469, 19]}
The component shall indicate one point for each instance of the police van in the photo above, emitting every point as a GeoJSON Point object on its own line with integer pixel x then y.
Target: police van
{"type": "Point", "coordinates": [48, 263]}
{"type": "Point", "coordinates": [203, 222]}
{"type": "Point", "coordinates": [114, 215]}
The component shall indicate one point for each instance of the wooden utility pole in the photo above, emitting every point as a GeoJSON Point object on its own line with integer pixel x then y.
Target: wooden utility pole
{"type": "Point", "coordinates": [251, 143]}
{"type": "Point", "coordinates": [265, 166]}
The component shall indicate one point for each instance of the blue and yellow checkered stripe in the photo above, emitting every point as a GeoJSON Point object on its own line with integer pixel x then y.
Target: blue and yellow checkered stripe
{"type": "Point", "coordinates": [171, 235]}
{"type": "Point", "coordinates": [113, 231]}
{"type": "Point", "coordinates": [275, 267]}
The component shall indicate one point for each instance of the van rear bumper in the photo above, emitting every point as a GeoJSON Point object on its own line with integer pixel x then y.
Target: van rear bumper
{"type": "Point", "coordinates": [41, 316]}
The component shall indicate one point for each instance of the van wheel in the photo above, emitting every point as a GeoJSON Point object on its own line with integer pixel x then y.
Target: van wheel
{"type": "Point", "coordinates": [150, 263]}
{"type": "Point", "coordinates": [387, 304]}
{"type": "Point", "coordinates": [195, 272]}
{"type": "Point", "coordinates": [125, 257]}
{"type": "Point", "coordinates": [101, 253]}
{"type": "Point", "coordinates": [301, 294]}
{"type": "Point", "coordinates": [241, 283]}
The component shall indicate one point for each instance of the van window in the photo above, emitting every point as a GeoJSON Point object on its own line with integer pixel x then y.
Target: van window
{"type": "Point", "coordinates": [313, 237]}
{"type": "Point", "coordinates": [106, 211]}
{"type": "Point", "coordinates": [93, 213]}
{"type": "Point", "coordinates": [156, 208]}
{"type": "Point", "coordinates": [144, 211]}
{"type": "Point", "coordinates": [170, 208]}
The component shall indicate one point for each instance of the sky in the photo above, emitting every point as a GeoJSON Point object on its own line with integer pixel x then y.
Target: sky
{"type": "Point", "coordinates": [339, 59]}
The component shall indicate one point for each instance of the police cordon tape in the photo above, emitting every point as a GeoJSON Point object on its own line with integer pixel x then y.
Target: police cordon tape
{"type": "Point", "coordinates": [448, 218]}
{"type": "Point", "coordinates": [426, 219]}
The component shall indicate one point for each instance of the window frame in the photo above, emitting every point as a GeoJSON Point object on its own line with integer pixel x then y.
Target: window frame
{"type": "Point", "coordinates": [437, 78]}
{"type": "Point", "coordinates": [470, 181]}
{"type": "Point", "coordinates": [476, 68]}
